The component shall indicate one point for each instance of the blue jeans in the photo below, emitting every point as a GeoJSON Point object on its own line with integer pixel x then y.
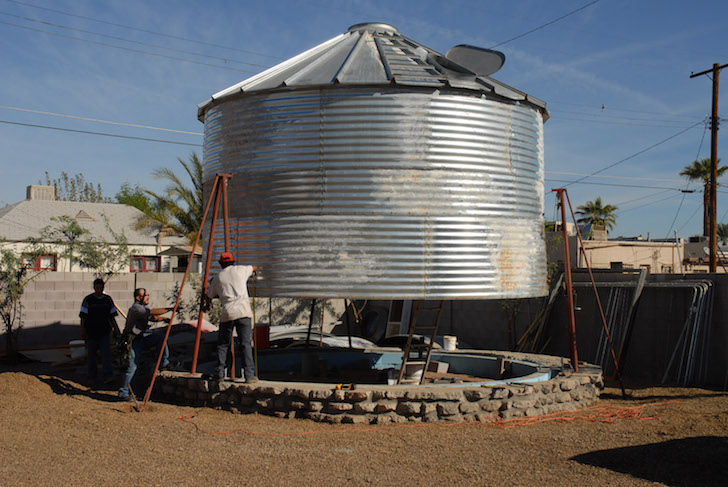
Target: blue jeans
{"type": "Point", "coordinates": [93, 345]}
{"type": "Point", "coordinates": [138, 345]}
{"type": "Point", "coordinates": [225, 337]}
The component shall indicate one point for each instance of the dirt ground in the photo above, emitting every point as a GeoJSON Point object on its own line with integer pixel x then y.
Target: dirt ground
{"type": "Point", "coordinates": [57, 431]}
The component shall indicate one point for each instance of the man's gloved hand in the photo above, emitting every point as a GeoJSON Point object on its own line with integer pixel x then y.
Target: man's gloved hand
{"type": "Point", "coordinates": [206, 303]}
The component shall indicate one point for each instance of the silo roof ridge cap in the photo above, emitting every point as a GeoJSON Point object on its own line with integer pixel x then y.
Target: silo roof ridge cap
{"type": "Point", "coordinates": [373, 27]}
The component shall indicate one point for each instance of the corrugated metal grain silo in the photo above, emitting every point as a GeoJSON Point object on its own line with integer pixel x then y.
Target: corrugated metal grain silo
{"type": "Point", "coordinates": [374, 167]}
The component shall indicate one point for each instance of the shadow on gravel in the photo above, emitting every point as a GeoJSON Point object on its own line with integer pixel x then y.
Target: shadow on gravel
{"type": "Point", "coordinates": [685, 462]}
{"type": "Point", "coordinates": [661, 397]}
{"type": "Point", "coordinates": [60, 386]}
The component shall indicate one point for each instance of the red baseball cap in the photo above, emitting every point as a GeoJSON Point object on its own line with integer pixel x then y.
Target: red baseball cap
{"type": "Point", "coordinates": [226, 257]}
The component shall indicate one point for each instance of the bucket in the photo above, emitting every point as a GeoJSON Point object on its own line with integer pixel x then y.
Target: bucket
{"type": "Point", "coordinates": [413, 371]}
{"type": "Point", "coordinates": [450, 343]}
{"type": "Point", "coordinates": [78, 348]}
{"type": "Point", "coordinates": [262, 336]}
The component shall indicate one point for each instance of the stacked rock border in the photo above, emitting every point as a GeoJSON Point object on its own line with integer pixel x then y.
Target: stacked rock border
{"type": "Point", "coordinates": [383, 404]}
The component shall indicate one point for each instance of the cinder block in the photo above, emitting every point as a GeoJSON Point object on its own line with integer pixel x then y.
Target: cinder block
{"type": "Point", "coordinates": [33, 316]}
{"type": "Point", "coordinates": [116, 285]}
{"type": "Point", "coordinates": [69, 296]}
{"type": "Point", "coordinates": [53, 316]}
{"type": "Point", "coordinates": [156, 286]}
{"type": "Point", "coordinates": [29, 306]}
{"type": "Point", "coordinates": [55, 295]}
{"type": "Point", "coordinates": [71, 285]}
{"type": "Point", "coordinates": [71, 304]}
{"type": "Point", "coordinates": [147, 277]}
{"type": "Point", "coordinates": [44, 286]}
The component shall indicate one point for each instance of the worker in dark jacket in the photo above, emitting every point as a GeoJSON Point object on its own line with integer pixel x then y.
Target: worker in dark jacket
{"type": "Point", "coordinates": [98, 316]}
{"type": "Point", "coordinates": [140, 337]}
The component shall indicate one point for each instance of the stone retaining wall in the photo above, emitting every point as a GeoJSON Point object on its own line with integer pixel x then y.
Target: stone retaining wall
{"type": "Point", "coordinates": [380, 404]}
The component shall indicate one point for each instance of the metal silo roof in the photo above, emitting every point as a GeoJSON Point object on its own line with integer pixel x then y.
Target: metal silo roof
{"type": "Point", "coordinates": [371, 54]}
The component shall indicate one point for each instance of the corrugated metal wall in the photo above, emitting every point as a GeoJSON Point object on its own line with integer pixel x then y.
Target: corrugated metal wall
{"type": "Point", "coordinates": [382, 194]}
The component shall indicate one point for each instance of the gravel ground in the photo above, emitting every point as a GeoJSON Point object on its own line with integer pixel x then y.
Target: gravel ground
{"type": "Point", "coordinates": [57, 431]}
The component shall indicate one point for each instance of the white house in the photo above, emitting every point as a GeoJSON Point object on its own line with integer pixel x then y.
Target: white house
{"type": "Point", "coordinates": [151, 250]}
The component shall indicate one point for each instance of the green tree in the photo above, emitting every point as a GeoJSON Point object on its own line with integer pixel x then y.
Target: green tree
{"type": "Point", "coordinates": [75, 188]}
{"type": "Point", "coordinates": [700, 171]}
{"type": "Point", "coordinates": [67, 233]}
{"type": "Point", "coordinates": [85, 249]}
{"type": "Point", "coordinates": [14, 277]}
{"type": "Point", "coordinates": [596, 213]}
{"type": "Point", "coordinates": [722, 229]}
{"type": "Point", "coordinates": [179, 208]}
{"type": "Point", "coordinates": [134, 196]}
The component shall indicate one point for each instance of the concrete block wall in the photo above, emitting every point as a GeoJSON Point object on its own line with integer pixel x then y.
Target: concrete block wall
{"type": "Point", "coordinates": [52, 301]}
{"type": "Point", "coordinates": [55, 297]}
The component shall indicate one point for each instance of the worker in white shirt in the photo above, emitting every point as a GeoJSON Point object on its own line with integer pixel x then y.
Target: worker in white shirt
{"type": "Point", "coordinates": [230, 286]}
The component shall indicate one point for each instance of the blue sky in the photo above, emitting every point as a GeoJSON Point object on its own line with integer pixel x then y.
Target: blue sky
{"type": "Point", "coordinates": [615, 76]}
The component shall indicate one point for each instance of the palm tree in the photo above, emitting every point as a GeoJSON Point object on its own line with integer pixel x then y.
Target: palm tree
{"type": "Point", "coordinates": [700, 170]}
{"type": "Point", "coordinates": [179, 209]}
{"type": "Point", "coordinates": [594, 213]}
{"type": "Point", "coordinates": [722, 230]}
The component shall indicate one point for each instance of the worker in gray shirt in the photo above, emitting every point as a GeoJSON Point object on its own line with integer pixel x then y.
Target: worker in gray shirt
{"type": "Point", "coordinates": [140, 337]}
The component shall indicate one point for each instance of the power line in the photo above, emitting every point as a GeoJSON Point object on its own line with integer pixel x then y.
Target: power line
{"type": "Point", "coordinates": [227, 60]}
{"type": "Point", "coordinates": [641, 198]}
{"type": "Point", "coordinates": [690, 218]}
{"type": "Point", "coordinates": [545, 25]}
{"type": "Point", "coordinates": [600, 106]}
{"type": "Point", "coordinates": [169, 36]}
{"type": "Point", "coordinates": [99, 120]}
{"type": "Point", "coordinates": [99, 133]}
{"type": "Point", "coordinates": [700, 147]}
{"type": "Point", "coordinates": [140, 51]}
{"type": "Point", "coordinates": [648, 204]}
{"type": "Point", "coordinates": [618, 177]}
{"type": "Point", "coordinates": [637, 153]}
{"type": "Point", "coordinates": [601, 114]}
{"type": "Point", "coordinates": [607, 122]}
{"type": "Point", "coordinates": [609, 184]}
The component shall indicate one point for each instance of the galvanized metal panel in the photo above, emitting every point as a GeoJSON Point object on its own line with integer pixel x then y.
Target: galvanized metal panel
{"type": "Point", "coordinates": [383, 193]}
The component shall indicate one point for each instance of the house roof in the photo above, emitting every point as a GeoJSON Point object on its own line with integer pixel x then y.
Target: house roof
{"type": "Point", "coordinates": [26, 219]}
{"type": "Point", "coordinates": [181, 250]}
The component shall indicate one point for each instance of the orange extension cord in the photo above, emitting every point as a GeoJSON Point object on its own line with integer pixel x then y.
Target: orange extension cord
{"type": "Point", "coordinates": [595, 414]}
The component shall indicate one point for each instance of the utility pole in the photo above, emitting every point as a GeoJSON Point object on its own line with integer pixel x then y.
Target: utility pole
{"type": "Point", "coordinates": [712, 227]}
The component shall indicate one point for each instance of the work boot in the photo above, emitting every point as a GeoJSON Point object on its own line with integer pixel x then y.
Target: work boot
{"type": "Point", "coordinates": [252, 380]}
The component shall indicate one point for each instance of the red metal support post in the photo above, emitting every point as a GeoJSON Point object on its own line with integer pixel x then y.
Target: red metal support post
{"type": "Point", "coordinates": [569, 284]}
{"type": "Point", "coordinates": [596, 297]}
{"type": "Point", "coordinates": [225, 217]}
{"type": "Point", "coordinates": [226, 231]}
{"type": "Point", "coordinates": [208, 258]}
{"type": "Point", "coordinates": [179, 295]}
